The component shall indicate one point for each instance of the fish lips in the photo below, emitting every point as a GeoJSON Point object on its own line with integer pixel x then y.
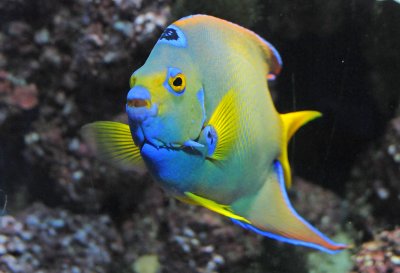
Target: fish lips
{"type": "Point", "coordinates": [141, 119]}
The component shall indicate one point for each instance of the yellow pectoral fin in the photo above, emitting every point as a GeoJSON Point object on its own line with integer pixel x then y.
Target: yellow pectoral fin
{"type": "Point", "coordinates": [291, 123]}
{"type": "Point", "coordinates": [225, 121]}
{"type": "Point", "coordinates": [218, 208]}
{"type": "Point", "coordinates": [112, 141]}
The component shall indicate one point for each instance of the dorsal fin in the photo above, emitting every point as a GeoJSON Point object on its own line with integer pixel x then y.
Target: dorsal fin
{"type": "Point", "coordinates": [273, 57]}
{"type": "Point", "coordinates": [291, 123]}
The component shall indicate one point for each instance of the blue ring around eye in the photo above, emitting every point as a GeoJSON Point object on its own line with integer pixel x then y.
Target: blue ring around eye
{"type": "Point", "coordinates": [172, 72]}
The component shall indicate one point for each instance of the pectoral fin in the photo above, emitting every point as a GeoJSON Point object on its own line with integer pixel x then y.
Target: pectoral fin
{"type": "Point", "coordinates": [221, 131]}
{"type": "Point", "coordinates": [112, 142]}
{"type": "Point", "coordinates": [272, 215]}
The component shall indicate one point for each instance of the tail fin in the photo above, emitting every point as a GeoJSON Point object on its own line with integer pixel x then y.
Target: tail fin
{"type": "Point", "coordinates": [272, 215]}
{"type": "Point", "coordinates": [291, 123]}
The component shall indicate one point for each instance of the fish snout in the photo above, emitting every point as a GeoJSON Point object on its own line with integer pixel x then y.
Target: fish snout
{"type": "Point", "coordinates": [138, 104]}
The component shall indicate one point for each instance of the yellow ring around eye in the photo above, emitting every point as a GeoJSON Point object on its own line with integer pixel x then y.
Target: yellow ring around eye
{"type": "Point", "coordinates": [177, 83]}
{"type": "Point", "coordinates": [132, 81]}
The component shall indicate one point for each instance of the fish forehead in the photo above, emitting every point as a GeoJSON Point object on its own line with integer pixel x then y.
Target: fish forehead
{"type": "Point", "coordinates": [206, 38]}
{"type": "Point", "coordinates": [208, 23]}
{"type": "Point", "coordinates": [214, 31]}
{"type": "Point", "coordinates": [163, 56]}
{"type": "Point", "coordinates": [207, 31]}
{"type": "Point", "coordinates": [225, 53]}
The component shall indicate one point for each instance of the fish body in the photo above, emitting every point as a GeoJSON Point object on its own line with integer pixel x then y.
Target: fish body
{"type": "Point", "coordinates": [216, 74]}
{"type": "Point", "coordinates": [202, 121]}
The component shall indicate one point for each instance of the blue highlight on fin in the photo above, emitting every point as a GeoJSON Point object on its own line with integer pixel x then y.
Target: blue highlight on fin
{"type": "Point", "coordinates": [277, 56]}
{"type": "Point", "coordinates": [279, 171]}
{"type": "Point", "coordinates": [283, 239]}
{"type": "Point", "coordinates": [273, 49]}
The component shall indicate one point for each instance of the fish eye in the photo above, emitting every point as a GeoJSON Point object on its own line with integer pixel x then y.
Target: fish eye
{"type": "Point", "coordinates": [177, 83]}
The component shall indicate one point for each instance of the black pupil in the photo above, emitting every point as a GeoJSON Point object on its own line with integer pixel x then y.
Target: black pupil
{"type": "Point", "coordinates": [177, 81]}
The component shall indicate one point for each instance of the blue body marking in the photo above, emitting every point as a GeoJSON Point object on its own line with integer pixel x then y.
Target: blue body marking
{"type": "Point", "coordinates": [172, 35]}
{"type": "Point", "coordinates": [193, 144]}
{"type": "Point", "coordinates": [200, 97]}
{"type": "Point", "coordinates": [211, 138]}
{"type": "Point", "coordinates": [279, 172]}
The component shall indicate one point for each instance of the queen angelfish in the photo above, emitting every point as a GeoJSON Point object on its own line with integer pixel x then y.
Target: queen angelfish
{"type": "Point", "coordinates": [202, 122]}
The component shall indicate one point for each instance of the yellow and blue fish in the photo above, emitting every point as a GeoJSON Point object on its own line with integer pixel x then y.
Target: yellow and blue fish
{"type": "Point", "coordinates": [202, 122]}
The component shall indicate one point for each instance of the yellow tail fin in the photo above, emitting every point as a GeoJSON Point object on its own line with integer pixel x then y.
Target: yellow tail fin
{"type": "Point", "coordinates": [291, 123]}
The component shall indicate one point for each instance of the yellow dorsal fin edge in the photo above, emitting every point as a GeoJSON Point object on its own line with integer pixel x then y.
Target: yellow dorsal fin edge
{"type": "Point", "coordinates": [291, 123]}
{"type": "Point", "coordinates": [225, 121]}
{"type": "Point", "coordinates": [214, 206]}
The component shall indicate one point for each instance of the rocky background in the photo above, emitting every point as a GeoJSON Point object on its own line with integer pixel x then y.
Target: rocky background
{"type": "Point", "coordinates": [67, 63]}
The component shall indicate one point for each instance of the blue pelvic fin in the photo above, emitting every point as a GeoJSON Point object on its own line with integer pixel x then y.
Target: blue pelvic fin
{"type": "Point", "coordinates": [112, 142]}
{"type": "Point", "coordinates": [273, 216]}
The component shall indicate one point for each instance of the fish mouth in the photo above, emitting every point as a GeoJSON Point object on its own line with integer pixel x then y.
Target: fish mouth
{"type": "Point", "coordinates": [137, 103]}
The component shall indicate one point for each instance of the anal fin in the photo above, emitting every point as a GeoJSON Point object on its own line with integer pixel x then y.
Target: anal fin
{"type": "Point", "coordinates": [272, 215]}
